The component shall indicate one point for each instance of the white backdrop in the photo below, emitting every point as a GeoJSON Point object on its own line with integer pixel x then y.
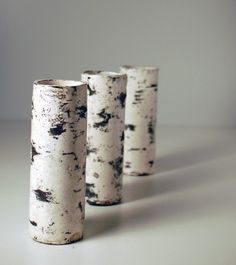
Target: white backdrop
{"type": "Point", "coordinates": [192, 42]}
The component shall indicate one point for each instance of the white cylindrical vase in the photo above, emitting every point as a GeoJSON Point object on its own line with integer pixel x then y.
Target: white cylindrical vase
{"type": "Point", "coordinates": [105, 135]}
{"type": "Point", "coordinates": [58, 155]}
{"type": "Point", "coordinates": [140, 120]}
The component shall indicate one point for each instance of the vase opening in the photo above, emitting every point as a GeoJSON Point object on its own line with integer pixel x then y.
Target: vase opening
{"type": "Point", "coordinates": [58, 83]}
{"type": "Point", "coordinates": [137, 67]}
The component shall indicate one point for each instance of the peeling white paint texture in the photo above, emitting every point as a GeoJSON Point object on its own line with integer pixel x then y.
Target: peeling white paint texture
{"type": "Point", "coordinates": [105, 135]}
{"type": "Point", "coordinates": [58, 153]}
{"type": "Point", "coordinates": [140, 120]}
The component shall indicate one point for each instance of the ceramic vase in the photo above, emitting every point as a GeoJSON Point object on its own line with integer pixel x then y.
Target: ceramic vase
{"type": "Point", "coordinates": [140, 120]}
{"type": "Point", "coordinates": [58, 153]}
{"type": "Point", "coordinates": [105, 135]}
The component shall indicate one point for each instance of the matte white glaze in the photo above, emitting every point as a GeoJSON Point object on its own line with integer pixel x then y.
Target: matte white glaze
{"type": "Point", "coordinates": [105, 135]}
{"type": "Point", "coordinates": [140, 120]}
{"type": "Point", "coordinates": [58, 153]}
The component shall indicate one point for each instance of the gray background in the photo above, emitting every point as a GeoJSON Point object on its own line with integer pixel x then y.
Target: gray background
{"type": "Point", "coordinates": [192, 42]}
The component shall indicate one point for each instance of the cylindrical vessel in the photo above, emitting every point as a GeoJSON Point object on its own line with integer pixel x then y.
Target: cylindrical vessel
{"type": "Point", "coordinates": [105, 135]}
{"type": "Point", "coordinates": [58, 155]}
{"type": "Point", "coordinates": [140, 120]}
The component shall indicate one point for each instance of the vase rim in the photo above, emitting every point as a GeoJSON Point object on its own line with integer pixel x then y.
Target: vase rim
{"type": "Point", "coordinates": [102, 73]}
{"type": "Point", "coordinates": [59, 83]}
{"type": "Point", "coordinates": [139, 67]}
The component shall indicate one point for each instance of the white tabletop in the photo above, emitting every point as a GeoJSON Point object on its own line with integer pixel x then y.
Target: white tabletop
{"type": "Point", "coordinates": [184, 214]}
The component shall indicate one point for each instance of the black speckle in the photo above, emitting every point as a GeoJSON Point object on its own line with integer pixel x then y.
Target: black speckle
{"type": "Point", "coordinates": [33, 152]}
{"type": "Point", "coordinates": [134, 149]}
{"type": "Point", "coordinates": [68, 233]}
{"type": "Point", "coordinates": [130, 127]}
{"type": "Point", "coordinates": [64, 104]}
{"type": "Point", "coordinates": [143, 174]}
{"type": "Point", "coordinates": [57, 129]}
{"type": "Point", "coordinates": [91, 91]}
{"type": "Point", "coordinates": [81, 111]}
{"type": "Point", "coordinates": [117, 165]}
{"type": "Point", "coordinates": [152, 85]}
{"type": "Point", "coordinates": [122, 150]}
{"type": "Point", "coordinates": [122, 98]}
{"type": "Point", "coordinates": [77, 167]}
{"type": "Point", "coordinates": [96, 175]}
{"type": "Point", "coordinates": [105, 116]}
{"type": "Point", "coordinates": [58, 87]}
{"type": "Point", "coordinates": [33, 223]}
{"type": "Point", "coordinates": [80, 206]}
{"type": "Point", "coordinates": [44, 196]}
{"type": "Point", "coordinates": [151, 132]}
{"type": "Point", "coordinates": [76, 190]}
{"type": "Point", "coordinates": [127, 166]}
{"type": "Point", "coordinates": [74, 90]}
{"type": "Point", "coordinates": [89, 190]}
{"type": "Point", "coordinates": [32, 109]}
{"type": "Point", "coordinates": [151, 163]}
{"type": "Point", "coordinates": [52, 224]}
{"type": "Point", "coordinates": [70, 153]}
{"type": "Point", "coordinates": [122, 136]}
{"type": "Point", "coordinates": [91, 150]}
{"type": "Point", "coordinates": [68, 112]}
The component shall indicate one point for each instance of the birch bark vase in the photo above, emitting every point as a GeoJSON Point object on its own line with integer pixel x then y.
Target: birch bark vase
{"type": "Point", "coordinates": [105, 135]}
{"type": "Point", "coordinates": [140, 120]}
{"type": "Point", "coordinates": [58, 153]}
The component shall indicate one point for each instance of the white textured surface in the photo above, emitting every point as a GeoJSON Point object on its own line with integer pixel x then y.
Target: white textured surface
{"type": "Point", "coordinates": [105, 136]}
{"type": "Point", "coordinates": [140, 120]}
{"type": "Point", "coordinates": [58, 155]}
{"type": "Point", "coordinates": [183, 215]}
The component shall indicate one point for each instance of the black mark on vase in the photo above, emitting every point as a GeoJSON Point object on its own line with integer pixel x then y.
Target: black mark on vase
{"type": "Point", "coordinates": [33, 152]}
{"type": "Point", "coordinates": [122, 136]}
{"type": "Point", "coordinates": [151, 163]}
{"type": "Point", "coordinates": [130, 127]}
{"type": "Point", "coordinates": [76, 190]}
{"type": "Point", "coordinates": [70, 153]}
{"type": "Point", "coordinates": [121, 99]}
{"type": "Point", "coordinates": [134, 149]}
{"type": "Point", "coordinates": [152, 85]}
{"type": "Point", "coordinates": [117, 165]}
{"type": "Point", "coordinates": [143, 174]}
{"type": "Point", "coordinates": [81, 111]}
{"type": "Point", "coordinates": [44, 196]}
{"type": "Point", "coordinates": [33, 223]}
{"type": "Point", "coordinates": [105, 119]}
{"type": "Point", "coordinates": [91, 150]}
{"type": "Point", "coordinates": [90, 193]}
{"type": "Point", "coordinates": [68, 112]}
{"type": "Point", "coordinates": [151, 132]}
{"type": "Point", "coordinates": [91, 91]}
{"type": "Point", "coordinates": [80, 206]}
{"type": "Point", "coordinates": [57, 130]}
